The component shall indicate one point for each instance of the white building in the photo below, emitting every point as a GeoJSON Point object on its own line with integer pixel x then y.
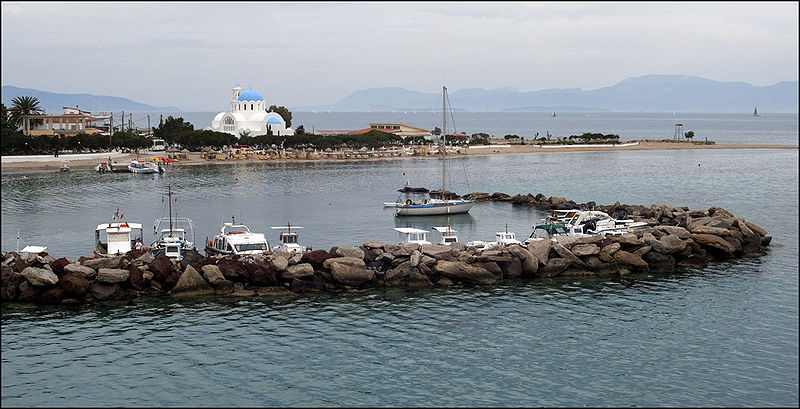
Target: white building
{"type": "Point", "coordinates": [248, 113]}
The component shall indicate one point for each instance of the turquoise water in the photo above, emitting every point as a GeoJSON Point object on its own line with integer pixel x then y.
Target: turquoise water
{"type": "Point", "coordinates": [726, 335]}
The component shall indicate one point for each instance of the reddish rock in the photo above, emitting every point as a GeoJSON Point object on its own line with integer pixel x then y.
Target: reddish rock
{"type": "Point", "coordinates": [302, 286]}
{"type": "Point", "coordinates": [137, 278]}
{"type": "Point", "coordinates": [52, 296]}
{"type": "Point", "coordinates": [161, 267]}
{"type": "Point", "coordinates": [233, 270]}
{"type": "Point", "coordinates": [10, 283]}
{"type": "Point", "coordinates": [58, 266]}
{"type": "Point", "coordinates": [264, 276]}
{"type": "Point", "coordinates": [102, 292]}
{"type": "Point", "coordinates": [315, 258]}
{"type": "Point", "coordinates": [74, 283]}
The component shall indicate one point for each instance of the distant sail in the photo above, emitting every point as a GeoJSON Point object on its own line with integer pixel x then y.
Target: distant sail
{"type": "Point", "coordinates": [755, 112]}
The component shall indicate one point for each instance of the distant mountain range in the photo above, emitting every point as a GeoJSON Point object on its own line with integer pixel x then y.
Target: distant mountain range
{"type": "Point", "coordinates": [649, 93]}
{"type": "Point", "coordinates": [52, 102]}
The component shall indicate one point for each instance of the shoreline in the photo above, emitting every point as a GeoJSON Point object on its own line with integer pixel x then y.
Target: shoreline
{"type": "Point", "coordinates": [89, 161]}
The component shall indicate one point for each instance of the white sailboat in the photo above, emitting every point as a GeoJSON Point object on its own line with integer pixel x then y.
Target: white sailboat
{"type": "Point", "coordinates": [175, 241]}
{"type": "Point", "coordinates": [432, 205]}
{"type": "Point", "coordinates": [755, 112]}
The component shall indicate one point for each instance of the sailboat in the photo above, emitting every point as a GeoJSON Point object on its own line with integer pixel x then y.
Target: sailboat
{"type": "Point", "coordinates": [755, 112]}
{"type": "Point", "coordinates": [436, 205]}
{"type": "Point", "coordinates": [173, 241]}
{"type": "Point", "coordinates": [554, 114]}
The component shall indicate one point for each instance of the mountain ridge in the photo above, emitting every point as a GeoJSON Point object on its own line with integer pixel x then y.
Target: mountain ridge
{"type": "Point", "coordinates": [53, 102]}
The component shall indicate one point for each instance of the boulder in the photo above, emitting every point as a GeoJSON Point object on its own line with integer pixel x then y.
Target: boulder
{"type": "Point", "coordinates": [103, 292]}
{"type": "Point", "coordinates": [668, 244]}
{"type": "Point", "coordinates": [52, 296]}
{"type": "Point", "coordinates": [625, 239]}
{"type": "Point", "coordinates": [74, 283]}
{"type": "Point", "coordinates": [145, 258]}
{"type": "Point", "coordinates": [11, 281]}
{"type": "Point", "coordinates": [280, 263]}
{"type": "Point", "coordinates": [717, 231]}
{"type": "Point", "coordinates": [316, 258]}
{"type": "Point", "coordinates": [213, 274]}
{"type": "Point", "coordinates": [554, 267]}
{"type": "Point", "coordinates": [136, 277]}
{"type": "Point", "coordinates": [350, 251]}
{"type": "Point", "coordinates": [78, 268]}
{"type": "Point", "coordinates": [191, 283]}
{"type": "Point", "coordinates": [194, 259]}
{"type": "Point", "coordinates": [232, 270]}
{"type": "Point", "coordinates": [299, 286]}
{"type": "Point", "coordinates": [350, 261]}
{"type": "Point", "coordinates": [104, 262]}
{"type": "Point", "coordinates": [161, 267]}
{"type": "Point", "coordinates": [351, 275]}
{"type": "Point", "coordinates": [565, 253]}
{"type": "Point", "coordinates": [459, 271]}
{"type": "Point", "coordinates": [630, 259]}
{"type": "Point", "coordinates": [540, 249]}
{"type": "Point", "coordinates": [57, 266]}
{"type": "Point", "coordinates": [373, 245]}
{"type": "Point", "coordinates": [112, 275]}
{"type": "Point", "coordinates": [264, 274]}
{"type": "Point", "coordinates": [585, 249]}
{"type": "Point", "coordinates": [39, 276]}
{"type": "Point", "coordinates": [714, 242]}
{"type": "Point", "coordinates": [761, 232]}
{"type": "Point", "coordinates": [674, 231]}
{"type": "Point", "coordinates": [657, 261]}
{"type": "Point", "coordinates": [607, 252]}
{"type": "Point", "coordinates": [301, 270]}
{"type": "Point", "coordinates": [28, 292]}
{"type": "Point", "coordinates": [512, 268]}
{"type": "Point", "coordinates": [439, 252]}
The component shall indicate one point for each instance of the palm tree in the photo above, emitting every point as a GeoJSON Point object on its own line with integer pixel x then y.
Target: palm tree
{"type": "Point", "coordinates": [23, 107]}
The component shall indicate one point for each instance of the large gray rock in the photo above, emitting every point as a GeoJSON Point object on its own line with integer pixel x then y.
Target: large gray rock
{"type": "Point", "coordinates": [349, 261]}
{"type": "Point", "coordinates": [280, 262]}
{"type": "Point", "coordinates": [439, 252]}
{"type": "Point", "coordinates": [87, 272]}
{"type": "Point", "coordinates": [459, 271]}
{"type": "Point", "coordinates": [102, 291]}
{"type": "Point", "coordinates": [624, 239]}
{"type": "Point", "coordinates": [112, 275]}
{"type": "Point", "coordinates": [191, 283]}
{"type": "Point", "coordinates": [351, 275]}
{"type": "Point", "coordinates": [350, 251]}
{"type": "Point", "coordinates": [631, 259]}
{"type": "Point", "coordinates": [761, 232]}
{"type": "Point", "coordinates": [607, 252]}
{"type": "Point", "coordinates": [301, 270]}
{"type": "Point", "coordinates": [401, 250]}
{"type": "Point", "coordinates": [666, 245]}
{"type": "Point", "coordinates": [717, 231]}
{"type": "Point", "coordinates": [716, 242]}
{"type": "Point", "coordinates": [554, 267]}
{"type": "Point", "coordinates": [674, 231]}
{"type": "Point", "coordinates": [213, 274]}
{"type": "Point", "coordinates": [567, 254]}
{"type": "Point", "coordinates": [540, 249]}
{"type": "Point", "coordinates": [39, 276]}
{"type": "Point", "coordinates": [585, 249]}
{"type": "Point", "coordinates": [104, 262]}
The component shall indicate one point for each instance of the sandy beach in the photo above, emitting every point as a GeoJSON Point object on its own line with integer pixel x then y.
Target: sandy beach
{"type": "Point", "coordinates": [90, 160]}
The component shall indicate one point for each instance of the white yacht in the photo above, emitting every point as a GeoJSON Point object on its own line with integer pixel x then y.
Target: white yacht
{"type": "Point", "coordinates": [288, 240]}
{"type": "Point", "coordinates": [141, 166]}
{"type": "Point", "coordinates": [236, 239]}
{"type": "Point", "coordinates": [501, 238]}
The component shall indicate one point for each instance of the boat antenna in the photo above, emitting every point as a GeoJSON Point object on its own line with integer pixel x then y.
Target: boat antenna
{"type": "Point", "coordinates": [444, 137]}
{"type": "Point", "coordinates": [169, 198]}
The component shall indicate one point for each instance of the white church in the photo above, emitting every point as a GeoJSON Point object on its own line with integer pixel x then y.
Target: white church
{"type": "Point", "coordinates": [248, 113]}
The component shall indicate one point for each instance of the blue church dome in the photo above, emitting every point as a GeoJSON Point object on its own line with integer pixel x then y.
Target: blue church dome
{"type": "Point", "coordinates": [274, 121]}
{"type": "Point", "coordinates": [250, 95]}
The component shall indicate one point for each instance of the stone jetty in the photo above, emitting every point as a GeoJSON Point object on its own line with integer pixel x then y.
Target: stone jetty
{"type": "Point", "coordinates": [675, 238]}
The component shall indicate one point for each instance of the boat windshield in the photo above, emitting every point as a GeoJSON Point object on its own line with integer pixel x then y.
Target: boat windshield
{"type": "Point", "coordinates": [251, 247]}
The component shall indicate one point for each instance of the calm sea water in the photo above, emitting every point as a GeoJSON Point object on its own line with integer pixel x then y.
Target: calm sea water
{"type": "Point", "coordinates": [726, 335]}
{"type": "Point", "coordinates": [744, 128]}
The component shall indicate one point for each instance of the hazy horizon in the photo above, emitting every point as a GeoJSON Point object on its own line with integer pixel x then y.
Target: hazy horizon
{"type": "Point", "coordinates": [189, 55]}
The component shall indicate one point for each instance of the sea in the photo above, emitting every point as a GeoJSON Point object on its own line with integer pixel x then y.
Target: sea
{"type": "Point", "coordinates": [725, 335]}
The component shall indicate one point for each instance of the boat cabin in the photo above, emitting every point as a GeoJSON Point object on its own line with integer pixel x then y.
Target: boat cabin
{"type": "Point", "coordinates": [289, 240]}
{"type": "Point", "coordinates": [502, 238]}
{"type": "Point", "coordinates": [237, 239]}
{"type": "Point", "coordinates": [115, 238]}
{"type": "Point", "coordinates": [448, 235]}
{"type": "Point", "coordinates": [414, 236]}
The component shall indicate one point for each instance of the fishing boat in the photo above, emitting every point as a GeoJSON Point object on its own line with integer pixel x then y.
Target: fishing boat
{"type": "Point", "coordinates": [437, 203]}
{"type": "Point", "coordinates": [109, 167]}
{"type": "Point", "coordinates": [236, 239]}
{"type": "Point", "coordinates": [414, 236]}
{"type": "Point", "coordinates": [117, 238]}
{"type": "Point", "coordinates": [176, 240]}
{"type": "Point", "coordinates": [288, 240]}
{"type": "Point", "coordinates": [501, 238]}
{"type": "Point", "coordinates": [142, 166]}
{"type": "Point", "coordinates": [29, 248]}
{"type": "Point", "coordinates": [448, 235]}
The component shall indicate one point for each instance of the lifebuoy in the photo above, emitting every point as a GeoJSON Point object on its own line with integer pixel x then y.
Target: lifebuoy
{"type": "Point", "coordinates": [553, 213]}
{"type": "Point", "coordinates": [408, 202]}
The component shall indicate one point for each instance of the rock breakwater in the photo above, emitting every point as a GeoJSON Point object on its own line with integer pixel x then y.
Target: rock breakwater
{"type": "Point", "coordinates": [675, 238]}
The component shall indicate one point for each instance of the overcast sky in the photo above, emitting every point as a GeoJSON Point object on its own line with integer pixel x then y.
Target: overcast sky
{"type": "Point", "coordinates": [190, 55]}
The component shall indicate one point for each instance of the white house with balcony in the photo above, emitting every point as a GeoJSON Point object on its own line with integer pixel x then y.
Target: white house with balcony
{"type": "Point", "coordinates": [248, 114]}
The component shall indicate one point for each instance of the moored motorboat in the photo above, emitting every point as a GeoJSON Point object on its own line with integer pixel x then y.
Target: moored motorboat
{"type": "Point", "coordinates": [414, 236]}
{"type": "Point", "coordinates": [175, 241]}
{"type": "Point", "coordinates": [142, 166]}
{"type": "Point", "coordinates": [448, 235]}
{"type": "Point", "coordinates": [120, 237]}
{"type": "Point", "coordinates": [236, 239]}
{"type": "Point", "coordinates": [288, 240]}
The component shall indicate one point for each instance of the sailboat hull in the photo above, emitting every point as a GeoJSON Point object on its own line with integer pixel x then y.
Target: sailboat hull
{"type": "Point", "coordinates": [433, 209]}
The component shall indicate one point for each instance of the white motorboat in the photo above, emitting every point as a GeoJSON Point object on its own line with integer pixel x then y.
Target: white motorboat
{"type": "Point", "coordinates": [435, 205]}
{"type": "Point", "coordinates": [176, 240]}
{"type": "Point", "coordinates": [414, 236]}
{"type": "Point", "coordinates": [117, 237]}
{"type": "Point", "coordinates": [288, 240]}
{"type": "Point", "coordinates": [236, 239]}
{"type": "Point", "coordinates": [143, 166]}
{"type": "Point", "coordinates": [448, 235]}
{"type": "Point", "coordinates": [501, 238]}
{"type": "Point", "coordinates": [589, 222]}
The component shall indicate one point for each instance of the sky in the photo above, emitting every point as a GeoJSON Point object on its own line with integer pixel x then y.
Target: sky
{"type": "Point", "coordinates": [190, 55]}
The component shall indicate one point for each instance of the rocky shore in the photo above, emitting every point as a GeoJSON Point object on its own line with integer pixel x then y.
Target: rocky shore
{"type": "Point", "coordinates": [675, 238]}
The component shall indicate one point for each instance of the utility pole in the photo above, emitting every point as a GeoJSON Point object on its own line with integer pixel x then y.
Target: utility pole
{"type": "Point", "coordinates": [110, 130]}
{"type": "Point", "coordinates": [149, 129]}
{"type": "Point", "coordinates": [122, 122]}
{"type": "Point", "coordinates": [130, 121]}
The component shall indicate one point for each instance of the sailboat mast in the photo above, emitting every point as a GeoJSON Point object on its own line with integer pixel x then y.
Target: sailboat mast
{"type": "Point", "coordinates": [444, 136]}
{"type": "Point", "coordinates": [169, 194]}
